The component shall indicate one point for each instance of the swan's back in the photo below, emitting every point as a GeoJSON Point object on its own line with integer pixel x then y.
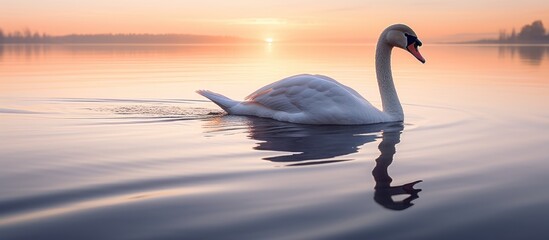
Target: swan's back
{"type": "Point", "coordinates": [304, 79]}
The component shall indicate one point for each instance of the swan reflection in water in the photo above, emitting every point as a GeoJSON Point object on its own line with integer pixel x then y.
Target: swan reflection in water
{"type": "Point", "coordinates": [384, 192]}
{"type": "Point", "coordinates": [299, 145]}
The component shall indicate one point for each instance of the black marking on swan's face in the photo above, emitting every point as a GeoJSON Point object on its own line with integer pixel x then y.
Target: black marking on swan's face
{"type": "Point", "coordinates": [412, 39]}
{"type": "Point", "coordinates": [412, 44]}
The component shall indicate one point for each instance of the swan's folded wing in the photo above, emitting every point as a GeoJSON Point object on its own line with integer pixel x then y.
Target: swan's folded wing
{"type": "Point", "coordinates": [303, 93]}
{"type": "Point", "coordinates": [301, 79]}
{"type": "Point", "coordinates": [352, 91]}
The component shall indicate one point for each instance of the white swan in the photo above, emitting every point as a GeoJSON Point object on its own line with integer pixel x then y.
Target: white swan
{"type": "Point", "coordinates": [317, 99]}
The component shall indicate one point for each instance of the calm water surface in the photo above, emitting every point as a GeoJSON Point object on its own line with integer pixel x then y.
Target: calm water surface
{"type": "Point", "coordinates": [111, 142]}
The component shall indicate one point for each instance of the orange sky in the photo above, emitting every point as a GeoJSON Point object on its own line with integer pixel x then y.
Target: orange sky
{"type": "Point", "coordinates": [281, 19]}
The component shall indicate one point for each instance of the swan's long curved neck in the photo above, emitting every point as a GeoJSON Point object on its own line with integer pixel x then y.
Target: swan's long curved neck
{"type": "Point", "coordinates": [389, 98]}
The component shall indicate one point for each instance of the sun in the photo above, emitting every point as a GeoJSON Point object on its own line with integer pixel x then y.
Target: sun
{"type": "Point", "coordinates": [269, 40]}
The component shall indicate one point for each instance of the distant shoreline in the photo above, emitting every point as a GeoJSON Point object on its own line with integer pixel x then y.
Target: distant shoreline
{"type": "Point", "coordinates": [482, 42]}
{"type": "Point", "coordinates": [494, 41]}
{"type": "Point", "coordinates": [28, 38]}
{"type": "Point", "coordinates": [529, 34]}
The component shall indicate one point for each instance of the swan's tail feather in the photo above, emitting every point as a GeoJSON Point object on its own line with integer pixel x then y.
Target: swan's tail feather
{"type": "Point", "coordinates": [221, 101]}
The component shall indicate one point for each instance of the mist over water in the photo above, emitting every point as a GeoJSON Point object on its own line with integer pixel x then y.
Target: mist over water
{"type": "Point", "coordinates": [111, 142]}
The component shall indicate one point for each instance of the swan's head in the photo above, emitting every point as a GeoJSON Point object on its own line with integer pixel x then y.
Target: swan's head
{"type": "Point", "coordinates": [402, 36]}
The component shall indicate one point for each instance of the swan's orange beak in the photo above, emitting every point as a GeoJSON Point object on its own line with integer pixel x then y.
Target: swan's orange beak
{"type": "Point", "coordinates": [412, 48]}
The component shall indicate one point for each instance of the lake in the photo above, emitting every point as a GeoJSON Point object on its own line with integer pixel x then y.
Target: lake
{"type": "Point", "coordinates": [112, 142]}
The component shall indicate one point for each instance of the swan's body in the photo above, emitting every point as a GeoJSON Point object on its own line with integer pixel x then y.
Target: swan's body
{"type": "Point", "coordinates": [317, 99]}
{"type": "Point", "coordinates": [311, 99]}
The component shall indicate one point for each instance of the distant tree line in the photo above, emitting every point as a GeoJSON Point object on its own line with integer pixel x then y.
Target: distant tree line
{"type": "Point", "coordinates": [530, 33]}
{"type": "Point", "coordinates": [25, 36]}
{"type": "Point", "coordinates": [28, 37]}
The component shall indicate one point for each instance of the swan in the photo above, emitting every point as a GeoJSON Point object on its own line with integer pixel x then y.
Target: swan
{"type": "Point", "coordinates": [318, 99]}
